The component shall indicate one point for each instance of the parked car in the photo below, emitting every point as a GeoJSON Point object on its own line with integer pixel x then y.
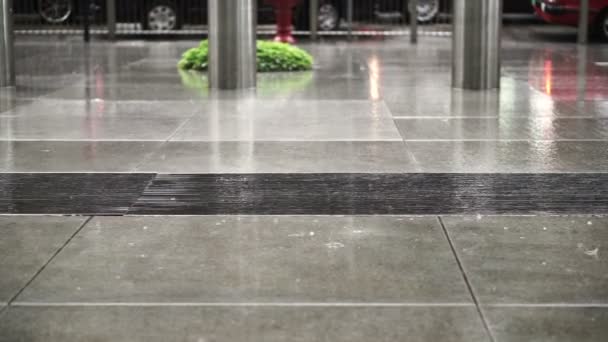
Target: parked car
{"type": "Point", "coordinates": [566, 12]}
{"type": "Point", "coordinates": [172, 14]}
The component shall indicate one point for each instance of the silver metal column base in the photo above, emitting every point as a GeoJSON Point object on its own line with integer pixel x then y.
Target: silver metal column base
{"type": "Point", "coordinates": [7, 59]}
{"type": "Point", "coordinates": [476, 44]}
{"type": "Point", "coordinates": [232, 44]}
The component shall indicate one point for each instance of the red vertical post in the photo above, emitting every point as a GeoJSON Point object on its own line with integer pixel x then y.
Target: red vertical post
{"type": "Point", "coordinates": [283, 10]}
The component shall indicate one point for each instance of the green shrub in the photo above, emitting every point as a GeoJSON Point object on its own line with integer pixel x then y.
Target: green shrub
{"type": "Point", "coordinates": [271, 56]}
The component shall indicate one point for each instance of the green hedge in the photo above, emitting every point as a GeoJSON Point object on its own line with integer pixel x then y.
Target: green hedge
{"type": "Point", "coordinates": [271, 56]}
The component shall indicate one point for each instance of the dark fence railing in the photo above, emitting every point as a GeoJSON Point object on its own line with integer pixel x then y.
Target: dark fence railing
{"type": "Point", "coordinates": [189, 17]}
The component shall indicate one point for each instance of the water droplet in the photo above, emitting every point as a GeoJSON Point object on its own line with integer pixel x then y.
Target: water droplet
{"type": "Point", "coordinates": [593, 252]}
{"type": "Point", "coordinates": [334, 245]}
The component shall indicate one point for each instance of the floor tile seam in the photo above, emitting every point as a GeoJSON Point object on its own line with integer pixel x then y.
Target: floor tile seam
{"type": "Point", "coordinates": [163, 144]}
{"type": "Point", "coordinates": [425, 216]}
{"type": "Point", "coordinates": [141, 194]}
{"type": "Point", "coordinates": [320, 140]}
{"type": "Point", "coordinates": [467, 281]}
{"type": "Point", "coordinates": [61, 248]}
{"type": "Point", "coordinates": [81, 173]}
{"type": "Point", "coordinates": [404, 173]}
{"type": "Point", "coordinates": [408, 150]}
{"type": "Point", "coordinates": [206, 140]}
{"type": "Point", "coordinates": [493, 117]}
{"type": "Point", "coordinates": [187, 119]}
{"type": "Point", "coordinates": [447, 173]}
{"type": "Point", "coordinates": [507, 140]}
{"type": "Point", "coordinates": [545, 305]}
{"type": "Point", "coordinates": [245, 304]}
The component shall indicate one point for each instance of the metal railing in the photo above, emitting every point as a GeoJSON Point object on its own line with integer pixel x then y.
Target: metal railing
{"type": "Point", "coordinates": [312, 18]}
{"type": "Point", "coordinates": [189, 17]}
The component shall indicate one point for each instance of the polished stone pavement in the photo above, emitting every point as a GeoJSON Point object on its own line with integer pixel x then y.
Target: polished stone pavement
{"type": "Point", "coordinates": [371, 108]}
{"type": "Point", "coordinates": [304, 278]}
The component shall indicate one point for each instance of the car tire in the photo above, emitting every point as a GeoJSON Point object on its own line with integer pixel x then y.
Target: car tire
{"type": "Point", "coordinates": [162, 15]}
{"type": "Point", "coordinates": [303, 16]}
{"type": "Point", "coordinates": [428, 11]}
{"type": "Point", "coordinates": [55, 11]}
{"type": "Point", "coordinates": [328, 16]}
{"type": "Point", "coordinates": [602, 25]}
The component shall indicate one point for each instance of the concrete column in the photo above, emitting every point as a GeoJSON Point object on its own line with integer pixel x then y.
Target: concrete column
{"type": "Point", "coordinates": [7, 58]}
{"type": "Point", "coordinates": [583, 22]}
{"type": "Point", "coordinates": [314, 19]}
{"type": "Point", "coordinates": [476, 44]}
{"type": "Point", "coordinates": [111, 18]}
{"type": "Point", "coordinates": [413, 8]}
{"type": "Point", "coordinates": [232, 44]}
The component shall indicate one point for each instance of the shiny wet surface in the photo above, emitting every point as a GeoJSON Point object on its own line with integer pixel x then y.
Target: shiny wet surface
{"type": "Point", "coordinates": [351, 114]}
{"type": "Point", "coordinates": [113, 131]}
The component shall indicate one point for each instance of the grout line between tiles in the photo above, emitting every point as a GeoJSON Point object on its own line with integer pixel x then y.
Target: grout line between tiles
{"type": "Point", "coordinates": [165, 142]}
{"type": "Point", "coordinates": [244, 304]}
{"type": "Point", "coordinates": [466, 280]}
{"type": "Point", "coordinates": [507, 140]}
{"type": "Point", "coordinates": [143, 190]}
{"type": "Point", "coordinates": [10, 302]}
{"type": "Point", "coordinates": [547, 305]}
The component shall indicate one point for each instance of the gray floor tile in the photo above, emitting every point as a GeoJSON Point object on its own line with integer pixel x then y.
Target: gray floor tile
{"type": "Point", "coordinates": [254, 259]}
{"type": "Point", "coordinates": [515, 99]}
{"type": "Point", "coordinates": [26, 244]}
{"type": "Point", "coordinates": [145, 92]}
{"type": "Point", "coordinates": [533, 259]}
{"type": "Point", "coordinates": [66, 324]}
{"type": "Point", "coordinates": [548, 324]}
{"type": "Point", "coordinates": [590, 108]}
{"type": "Point", "coordinates": [73, 156]}
{"type": "Point", "coordinates": [510, 156]}
{"type": "Point", "coordinates": [82, 120]}
{"type": "Point", "coordinates": [256, 157]}
{"type": "Point", "coordinates": [195, 87]}
{"type": "Point", "coordinates": [7, 104]}
{"type": "Point", "coordinates": [289, 120]}
{"type": "Point", "coordinates": [503, 129]}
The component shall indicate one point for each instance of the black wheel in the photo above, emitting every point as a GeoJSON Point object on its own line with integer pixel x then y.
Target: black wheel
{"type": "Point", "coordinates": [328, 16]}
{"type": "Point", "coordinates": [427, 10]}
{"type": "Point", "coordinates": [162, 15]}
{"type": "Point", "coordinates": [55, 11]}
{"type": "Point", "coordinates": [602, 25]}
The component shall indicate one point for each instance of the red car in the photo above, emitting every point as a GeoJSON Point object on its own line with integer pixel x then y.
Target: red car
{"type": "Point", "coordinates": [566, 12]}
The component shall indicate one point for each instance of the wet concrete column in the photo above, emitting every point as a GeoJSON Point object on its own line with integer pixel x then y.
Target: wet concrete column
{"type": "Point", "coordinates": [476, 44]}
{"type": "Point", "coordinates": [7, 58]}
{"type": "Point", "coordinates": [232, 44]}
{"type": "Point", "coordinates": [583, 22]}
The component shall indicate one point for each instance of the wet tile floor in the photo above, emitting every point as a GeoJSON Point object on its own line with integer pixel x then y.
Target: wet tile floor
{"type": "Point", "coordinates": [304, 278]}
{"type": "Point", "coordinates": [108, 129]}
